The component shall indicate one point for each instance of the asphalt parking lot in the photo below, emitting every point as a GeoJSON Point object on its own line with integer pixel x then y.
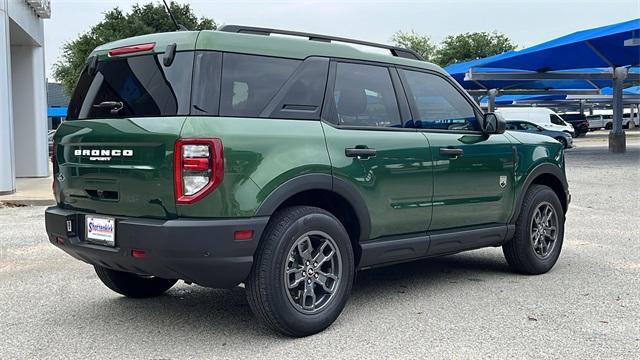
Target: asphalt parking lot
{"type": "Point", "coordinates": [462, 306]}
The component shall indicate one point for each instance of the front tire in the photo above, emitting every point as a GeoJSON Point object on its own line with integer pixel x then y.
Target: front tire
{"type": "Point", "coordinates": [303, 271]}
{"type": "Point", "coordinates": [132, 285]}
{"type": "Point", "coordinates": [537, 242]}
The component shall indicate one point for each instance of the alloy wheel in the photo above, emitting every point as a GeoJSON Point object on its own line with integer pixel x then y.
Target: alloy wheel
{"type": "Point", "coordinates": [312, 272]}
{"type": "Point", "coordinates": [544, 229]}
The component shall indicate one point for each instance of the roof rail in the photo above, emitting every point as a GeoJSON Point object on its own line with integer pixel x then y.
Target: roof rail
{"type": "Point", "coordinates": [395, 51]}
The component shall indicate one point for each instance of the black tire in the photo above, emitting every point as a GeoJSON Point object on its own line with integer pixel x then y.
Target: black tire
{"type": "Point", "coordinates": [520, 252]}
{"type": "Point", "coordinates": [269, 297]}
{"type": "Point", "coordinates": [132, 285]}
{"type": "Point", "coordinates": [608, 126]}
{"type": "Point", "coordinates": [563, 142]}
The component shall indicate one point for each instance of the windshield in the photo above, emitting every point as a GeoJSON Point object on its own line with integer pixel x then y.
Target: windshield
{"type": "Point", "coordinates": [133, 87]}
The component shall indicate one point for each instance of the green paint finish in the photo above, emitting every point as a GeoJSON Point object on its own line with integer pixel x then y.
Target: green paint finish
{"type": "Point", "coordinates": [143, 183]}
{"type": "Point", "coordinates": [396, 184]}
{"type": "Point", "coordinates": [534, 150]}
{"type": "Point", "coordinates": [260, 155]}
{"type": "Point", "coordinates": [467, 189]}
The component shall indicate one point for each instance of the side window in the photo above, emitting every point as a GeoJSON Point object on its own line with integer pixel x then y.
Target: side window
{"type": "Point", "coordinates": [555, 119]}
{"type": "Point", "coordinates": [438, 103]}
{"type": "Point", "coordinates": [512, 125]}
{"type": "Point", "coordinates": [249, 82]}
{"type": "Point", "coordinates": [302, 95]}
{"type": "Point", "coordinates": [528, 127]}
{"type": "Point", "coordinates": [364, 96]}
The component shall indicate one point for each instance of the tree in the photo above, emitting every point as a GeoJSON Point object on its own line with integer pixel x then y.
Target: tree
{"type": "Point", "coordinates": [419, 43]}
{"type": "Point", "coordinates": [471, 46]}
{"type": "Point", "coordinates": [143, 19]}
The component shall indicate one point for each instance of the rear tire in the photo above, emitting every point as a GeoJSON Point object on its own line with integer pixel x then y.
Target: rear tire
{"type": "Point", "coordinates": [132, 285]}
{"type": "Point", "coordinates": [608, 126]}
{"type": "Point", "coordinates": [303, 271]}
{"type": "Point", "coordinates": [537, 242]}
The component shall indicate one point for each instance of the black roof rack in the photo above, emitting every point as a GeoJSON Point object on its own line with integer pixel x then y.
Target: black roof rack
{"type": "Point", "coordinates": [395, 51]}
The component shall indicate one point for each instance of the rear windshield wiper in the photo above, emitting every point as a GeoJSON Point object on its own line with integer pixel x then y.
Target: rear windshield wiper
{"type": "Point", "coordinates": [113, 106]}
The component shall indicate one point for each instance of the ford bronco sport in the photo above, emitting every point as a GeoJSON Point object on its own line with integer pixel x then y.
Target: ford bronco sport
{"type": "Point", "coordinates": [288, 163]}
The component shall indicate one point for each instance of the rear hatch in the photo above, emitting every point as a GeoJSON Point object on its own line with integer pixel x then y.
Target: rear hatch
{"type": "Point", "coordinates": [114, 155]}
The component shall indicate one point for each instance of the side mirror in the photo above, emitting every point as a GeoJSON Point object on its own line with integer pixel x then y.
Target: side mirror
{"type": "Point", "coordinates": [493, 124]}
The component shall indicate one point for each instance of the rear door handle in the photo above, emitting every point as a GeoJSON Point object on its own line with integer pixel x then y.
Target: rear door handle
{"type": "Point", "coordinates": [360, 151]}
{"type": "Point", "coordinates": [450, 151]}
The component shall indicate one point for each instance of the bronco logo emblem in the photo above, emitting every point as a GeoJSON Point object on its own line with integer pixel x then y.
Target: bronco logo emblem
{"type": "Point", "coordinates": [103, 154]}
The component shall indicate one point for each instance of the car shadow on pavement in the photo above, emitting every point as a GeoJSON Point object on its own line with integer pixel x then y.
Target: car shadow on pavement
{"type": "Point", "coordinates": [192, 310]}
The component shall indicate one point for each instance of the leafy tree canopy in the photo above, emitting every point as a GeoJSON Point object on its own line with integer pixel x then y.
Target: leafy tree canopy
{"type": "Point", "coordinates": [419, 43]}
{"type": "Point", "coordinates": [455, 48]}
{"type": "Point", "coordinates": [471, 46]}
{"type": "Point", "coordinates": [143, 19]}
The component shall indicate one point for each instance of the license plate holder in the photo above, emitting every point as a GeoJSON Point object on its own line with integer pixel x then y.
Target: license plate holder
{"type": "Point", "coordinates": [100, 230]}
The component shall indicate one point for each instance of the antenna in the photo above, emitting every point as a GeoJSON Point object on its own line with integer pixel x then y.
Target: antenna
{"type": "Point", "coordinates": [179, 27]}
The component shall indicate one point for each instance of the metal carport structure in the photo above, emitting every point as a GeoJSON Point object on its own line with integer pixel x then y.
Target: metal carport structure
{"type": "Point", "coordinates": [585, 59]}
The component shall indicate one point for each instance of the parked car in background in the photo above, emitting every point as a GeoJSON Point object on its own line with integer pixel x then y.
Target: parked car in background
{"type": "Point", "coordinates": [50, 135]}
{"type": "Point", "coordinates": [596, 122]}
{"type": "Point", "coordinates": [578, 121]}
{"type": "Point", "coordinates": [606, 121]}
{"type": "Point", "coordinates": [520, 125]}
{"type": "Point", "coordinates": [544, 117]}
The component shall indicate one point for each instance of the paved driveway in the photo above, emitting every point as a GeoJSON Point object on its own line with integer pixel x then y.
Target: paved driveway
{"type": "Point", "coordinates": [462, 306]}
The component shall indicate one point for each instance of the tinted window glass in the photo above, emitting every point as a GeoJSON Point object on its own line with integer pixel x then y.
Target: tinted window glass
{"type": "Point", "coordinates": [301, 97]}
{"type": "Point", "coordinates": [528, 126]}
{"type": "Point", "coordinates": [364, 96]}
{"type": "Point", "coordinates": [206, 83]}
{"type": "Point", "coordinates": [250, 82]}
{"type": "Point", "coordinates": [555, 119]}
{"type": "Point", "coordinates": [142, 85]}
{"type": "Point", "coordinates": [438, 103]}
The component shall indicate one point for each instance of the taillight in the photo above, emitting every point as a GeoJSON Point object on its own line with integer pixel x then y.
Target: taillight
{"type": "Point", "coordinates": [198, 168]}
{"type": "Point", "coordinates": [131, 49]}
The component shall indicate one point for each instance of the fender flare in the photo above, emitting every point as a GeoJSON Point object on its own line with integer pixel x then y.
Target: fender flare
{"type": "Point", "coordinates": [326, 182]}
{"type": "Point", "coordinates": [541, 169]}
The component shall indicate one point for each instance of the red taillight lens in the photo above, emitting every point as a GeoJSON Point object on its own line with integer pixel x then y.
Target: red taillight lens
{"type": "Point", "coordinates": [198, 168]}
{"type": "Point", "coordinates": [131, 49]}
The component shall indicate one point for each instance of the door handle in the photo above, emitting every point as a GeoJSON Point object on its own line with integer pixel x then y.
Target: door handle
{"type": "Point", "coordinates": [360, 152]}
{"type": "Point", "coordinates": [451, 151]}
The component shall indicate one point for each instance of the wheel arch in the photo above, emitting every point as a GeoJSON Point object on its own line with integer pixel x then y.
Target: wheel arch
{"type": "Point", "coordinates": [326, 192]}
{"type": "Point", "coordinates": [544, 174]}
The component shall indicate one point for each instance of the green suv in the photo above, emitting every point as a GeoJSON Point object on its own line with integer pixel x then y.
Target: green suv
{"type": "Point", "coordinates": [288, 161]}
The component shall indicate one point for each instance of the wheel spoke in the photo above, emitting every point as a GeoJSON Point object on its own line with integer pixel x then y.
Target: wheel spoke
{"type": "Point", "coordinates": [320, 257]}
{"type": "Point", "coordinates": [309, 292]}
{"type": "Point", "coordinates": [322, 280]}
{"type": "Point", "coordinates": [305, 248]}
{"type": "Point", "coordinates": [297, 278]}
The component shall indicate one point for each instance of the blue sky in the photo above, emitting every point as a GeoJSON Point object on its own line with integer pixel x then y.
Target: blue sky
{"type": "Point", "coordinates": [525, 22]}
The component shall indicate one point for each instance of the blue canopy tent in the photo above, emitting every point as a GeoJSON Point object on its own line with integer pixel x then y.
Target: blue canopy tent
{"type": "Point", "coordinates": [607, 46]}
{"type": "Point", "coordinates": [613, 49]}
{"type": "Point", "coordinates": [60, 112]}
{"type": "Point", "coordinates": [634, 90]}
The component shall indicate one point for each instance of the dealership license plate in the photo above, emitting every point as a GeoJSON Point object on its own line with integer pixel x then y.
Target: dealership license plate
{"type": "Point", "coordinates": [101, 230]}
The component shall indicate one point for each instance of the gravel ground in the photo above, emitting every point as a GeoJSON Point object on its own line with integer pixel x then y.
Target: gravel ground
{"type": "Point", "coordinates": [462, 306]}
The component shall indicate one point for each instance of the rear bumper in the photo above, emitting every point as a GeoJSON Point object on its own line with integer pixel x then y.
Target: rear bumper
{"type": "Point", "coordinates": [199, 251]}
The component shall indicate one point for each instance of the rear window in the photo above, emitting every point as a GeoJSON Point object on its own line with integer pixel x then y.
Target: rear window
{"type": "Point", "coordinates": [139, 85]}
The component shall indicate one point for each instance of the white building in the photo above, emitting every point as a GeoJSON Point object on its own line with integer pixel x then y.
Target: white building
{"type": "Point", "coordinates": [23, 100]}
